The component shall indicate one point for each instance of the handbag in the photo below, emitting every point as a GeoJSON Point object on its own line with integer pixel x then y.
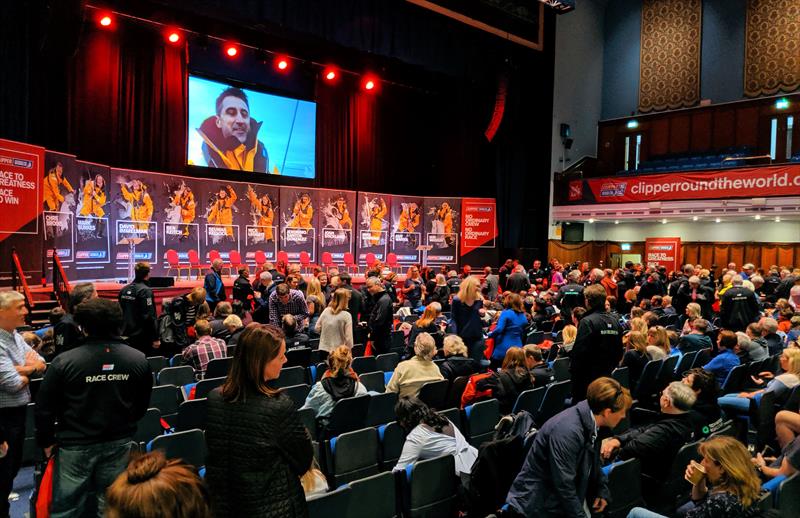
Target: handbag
{"type": "Point", "coordinates": [44, 495]}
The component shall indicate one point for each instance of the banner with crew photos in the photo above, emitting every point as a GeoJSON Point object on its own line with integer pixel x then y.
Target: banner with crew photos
{"type": "Point", "coordinates": [299, 217]}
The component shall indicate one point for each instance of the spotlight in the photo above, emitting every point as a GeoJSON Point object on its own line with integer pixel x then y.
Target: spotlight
{"type": "Point", "coordinates": [282, 63]}
{"type": "Point", "coordinates": [370, 83]}
{"type": "Point", "coordinates": [717, 220]}
{"type": "Point", "coordinates": [105, 20]}
{"type": "Point", "coordinates": [695, 218]}
{"type": "Point", "coordinates": [616, 222]}
{"type": "Point", "coordinates": [330, 74]}
{"type": "Point", "coordinates": [758, 216]}
{"type": "Point", "coordinates": [173, 36]}
{"type": "Point", "coordinates": [231, 50]}
{"type": "Point", "coordinates": [782, 103]}
{"type": "Point", "coordinates": [591, 220]}
{"type": "Point", "coordinates": [663, 221]}
{"type": "Point", "coordinates": [777, 219]}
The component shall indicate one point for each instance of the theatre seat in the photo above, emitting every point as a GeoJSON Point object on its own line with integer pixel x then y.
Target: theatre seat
{"type": "Point", "coordinates": [189, 446]}
{"type": "Point", "coordinates": [381, 408]}
{"type": "Point", "coordinates": [481, 420]}
{"type": "Point", "coordinates": [373, 381]}
{"type": "Point", "coordinates": [297, 393]}
{"type": "Point", "coordinates": [219, 367]}
{"type": "Point", "coordinates": [625, 487]}
{"type": "Point", "coordinates": [333, 503]}
{"type": "Point", "coordinates": [363, 364]}
{"type": "Point", "coordinates": [348, 414]}
{"type": "Point", "coordinates": [177, 376]}
{"type": "Point", "coordinates": [387, 361]}
{"type": "Point", "coordinates": [373, 497]}
{"type": "Point", "coordinates": [192, 414]}
{"type": "Point", "coordinates": [431, 487]}
{"type": "Point", "coordinates": [148, 427]}
{"type": "Point", "coordinates": [351, 456]}
{"type": "Point", "coordinates": [391, 438]}
{"type": "Point", "coordinates": [553, 401]}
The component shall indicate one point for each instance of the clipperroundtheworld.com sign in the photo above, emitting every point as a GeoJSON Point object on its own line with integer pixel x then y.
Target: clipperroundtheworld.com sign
{"type": "Point", "coordinates": [737, 183]}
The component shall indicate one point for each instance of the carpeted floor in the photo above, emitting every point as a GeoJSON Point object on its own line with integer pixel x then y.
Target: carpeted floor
{"type": "Point", "coordinates": [23, 487]}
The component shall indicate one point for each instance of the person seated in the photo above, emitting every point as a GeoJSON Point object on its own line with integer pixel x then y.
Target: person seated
{"type": "Point", "coordinates": [794, 331]}
{"type": "Point", "coordinates": [656, 303]}
{"type": "Point", "coordinates": [785, 319]}
{"type": "Point", "coordinates": [658, 347]}
{"type": "Point", "coordinates": [427, 323]}
{"type": "Point", "coordinates": [539, 369]}
{"type": "Point", "coordinates": [666, 305]}
{"type": "Point", "coordinates": [510, 381]}
{"type": "Point", "coordinates": [568, 334]}
{"type": "Point", "coordinates": [294, 338]}
{"type": "Point", "coordinates": [151, 485]}
{"type": "Point", "coordinates": [235, 327]}
{"type": "Point", "coordinates": [786, 464]}
{"type": "Point", "coordinates": [430, 435]}
{"type": "Point", "coordinates": [635, 357]}
{"type": "Point", "coordinates": [696, 339]}
{"type": "Point", "coordinates": [456, 362]}
{"type": "Point", "coordinates": [724, 362]}
{"type": "Point", "coordinates": [339, 381]}
{"type": "Point", "coordinates": [728, 486]}
{"type": "Point", "coordinates": [221, 312]}
{"type": "Point", "coordinates": [769, 332]}
{"type": "Point", "coordinates": [204, 349]}
{"type": "Point", "coordinates": [409, 376]}
{"type": "Point", "coordinates": [780, 385]}
{"type": "Point", "coordinates": [656, 444]}
{"type": "Point", "coordinates": [748, 350]}
{"type": "Point", "coordinates": [707, 414]}
{"type": "Point", "coordinates": [238, 309]}
{"type": "Point", "coordinates": [692, 312]}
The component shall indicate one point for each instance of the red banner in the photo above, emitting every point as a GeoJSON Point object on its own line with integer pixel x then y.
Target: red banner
{"type": "Point", "coordinates": [663, 251]}
{"type": "Point", "coordinates": [756, 182]}
{"type": "Point", "coordinates": [478, 224]}
{"type": "Point", "coordinates": [20, 199]}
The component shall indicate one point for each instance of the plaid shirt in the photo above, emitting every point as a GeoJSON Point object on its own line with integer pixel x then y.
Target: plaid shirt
{"type": "Point", "coordinates": [203, 351]}
{"type": "Point", "coordinates": [12, 353]}
{"type": "Point", "coordinates": [296, 307]}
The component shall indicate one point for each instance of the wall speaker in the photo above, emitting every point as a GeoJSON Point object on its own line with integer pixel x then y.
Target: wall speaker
{"type": "Point", "coordinates": [572, 232]}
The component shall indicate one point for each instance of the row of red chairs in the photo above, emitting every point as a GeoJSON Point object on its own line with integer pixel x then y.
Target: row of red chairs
{"type": "Point", "coordinates": [235, 261]}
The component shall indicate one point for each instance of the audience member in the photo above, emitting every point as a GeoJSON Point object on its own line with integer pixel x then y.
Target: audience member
{"type": "Point", "coordinates": [561, 475]}
{"type": "Point", "coordinates": [781, 386]}
{"type": "Point", "coordinates": [335, 326]}
{"type": "Point", "coordinates": [194, 299]}
{"type": "Point", "coordinates": [152, 486]}
{"type": "Point", "coordinates": [507, 383]}
{"type": "Point", "coordinates": [570, 295]}
{"type": "Point", "coordinates": [541, 372]}
{"type": "Point", "coordinates": [430, 435]}
{"type": "Point", "coordinates": [286, 301]}
{"type": "Point", "coordinates": [381, 317]}
{"type": "Point", "coordinates": [413, 289]}
{"type": "Point", "coordinates": [221, 312]}
{"type": "Point", "coordinates": [510, 330]}
{"type": "Point", "coordinates": [427, 323]}
{"type": "Point", "coordinates": [139, 311]}
{"type": "Point", "coordinates": [635, 357]}
{"type": "Point", "coordinates": [465, 321]}
{"type": "Point", "coordinates": [706, 409]}
{"type": "Point", "coordinates": [204, 349]}
{"type": "Point", "coordinates": [568, 334]}
{"type": "Point", "coordinates": [294, 338]}
{"type": "Point", "coordinates": [694, 292]}
{"type": "Point", "coordinates": [215, 288]}
{"type": "Point", "coordinates": [738, 306]}
{"type": "Point", "coordinates": [696, 339]}
{"type": "Point", "coordinates": [658, 346]}
{"type": "Point", "coordinates": [769, 332]}
{"type": "Point", "coordinates": [339, 381]}
{"type": "Point", "coordinates": [518, 281]}
{"type": "Point", "coordinates": [748, 350]}
{"type": "Point", "coordinates": [243, 290]}
{"type": "Point", "coordinates": [88, 407]}
{"type": "Point", "coordinates": [598, 346]}
{"type": "Point", "coordinates": [490, 284]}
{"type": "Point", "coordinates": [724, 362]}
{"type": "Point", "coordinates": [66, 333]}
{"type": "Point", "coordinates": [257, 445]}
{"type": "Point", "coordinates": [456, 363]}
{"type": "Point", "coordinates": [440, 292]}
{"type": "Point", "coordinates": [235, 327]}
{"type": "Point", "coordinates": [409, 376]}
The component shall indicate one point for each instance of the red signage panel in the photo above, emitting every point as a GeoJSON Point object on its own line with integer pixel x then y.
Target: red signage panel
{"type": "Point", "coordinates": [663, 251]}
{"type": "Point", "coordinates": [478, 224]}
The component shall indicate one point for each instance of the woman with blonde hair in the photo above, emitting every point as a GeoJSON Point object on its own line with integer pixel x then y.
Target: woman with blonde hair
{"type": "Point", "coordinates": [568, 334]}
{"type": "Point", "coordinates": [425, 324]}
{"type": "Point", "coordinates": [657, 343]}
{"type": "Point", "coordinates": [314, 289]}
{"type": "Point", "coordinates": [339, 381]}
{"type": "Point", "coordinates": [635, 357]}
{"type": "Point", "coordinates": [638, 324]}
{"type": "Point", "coordinates": [335, 325]}
{"type": "Point", "coordinates": [465, 320]}
{"type": "Point", "coordinates": [693, 311]}
{"type": "Point", "coordinates": [726, 487]}
{"type": "Point", "coordinates": [781, 386]}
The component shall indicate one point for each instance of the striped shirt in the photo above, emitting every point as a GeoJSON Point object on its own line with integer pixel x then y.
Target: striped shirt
{"type": "Point", "coordinates": [12, 353]}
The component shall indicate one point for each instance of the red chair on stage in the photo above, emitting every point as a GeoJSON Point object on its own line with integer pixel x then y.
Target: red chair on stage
{"type": "Point", "coordinates": [236, 260]}
{"type": "Point", "coordinates": [305, 261]}
{"type": "Point", "coordinates": [370, 260]}
{"type": "Point", "coordinates": [350, 262]}
{"type": "Point", "coordinates": [194, 262]}
{"type": "Point", "coordinates": [260, 258]}
{"type": "Point", "coordinates": [327, 261]}
{"type": "Point", "coordinates": [391, 261]}
{"type": "Point", "coordinates": [213, 255]}
{"type": "Point", "coordinates": [283, 256]}
{"type": "Point", "coordinates": [174, 263]}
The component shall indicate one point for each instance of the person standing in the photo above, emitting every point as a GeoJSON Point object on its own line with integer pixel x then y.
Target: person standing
{"type": "Point", "coordinates": [598, 346]}
{"type": "Point", "coordinates": [139, 311]}
{"type": "Point", "coordinates": [738, 306]}
{"type": "Point", "coordinates": [215, 288]}
{"type": "Point", "coordinates": [570, 295]}
{"type": "Point", "coordinates": [87, 409]}
{"type": "Point", "coordinates": [490, 284]}
{"type": "Point", "coordinates": [413, 289]}
{"type": "Point", "coordinates": [518, 281]}
{"type": "Point", "coordinates": [257, 446]}
{"type": "Point", "coordinates": [465, 317]}
{"type": "Point", "coordinates": [335, 327]}
{"type": "Point", "coordinates": [18, 362]}
{"type": "Point", "coordinates": [66, 333]}
{"type": "Point", "coordinates": [561, 475]}
{"type": "Point", "coordinates": [354, 306]}
{"type": "Point", "coordinates": [243, 290]}
{"type": "Point", "coordinates": [380, 319]}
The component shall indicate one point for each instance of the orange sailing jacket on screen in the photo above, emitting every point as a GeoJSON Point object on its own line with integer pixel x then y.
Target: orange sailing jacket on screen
{"type": "Point", "coordinates": [222, 212]}
{"type": "Point", "coordinates": [265, 215]}
{"type": "Point", "coordinates": [229, 153]}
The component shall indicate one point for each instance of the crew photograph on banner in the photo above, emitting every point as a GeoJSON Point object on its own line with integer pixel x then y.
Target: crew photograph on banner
{"type": "Point", "coordinates": [60, 206]}
{"type": "Point", "coordinates": [442, 225]}
{"type": "Point", "coordinates": [221, 232]}
{"type": "Point", "coordinates": [261, 230]}
{"type": "Point", "coordinates": [373, 226]}
{"type": "Point", "coordinates": [406, 234]}
{"type": "Point", "coordinates": [180, 229]}
{"type": "Point", "coordinates": [298, 223]}
{"type": "Point", "coordinates": [337, 210]}
{"type": "Point", "coordinates": [92, 234]}
{"type": "Point", "coordinates": [131, 211]}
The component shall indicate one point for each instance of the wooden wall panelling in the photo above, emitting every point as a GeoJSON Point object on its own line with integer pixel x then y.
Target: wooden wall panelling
{"type": "Point", "coordinates": [658, 137]}
{"type": "Point", "coordinates": [720, 257]}
{"type": "Point", "coordinates": [607, 143]}
{"type": "Point", "coordinates": [747, 126]}
{"type": "Point", "coordinates": [785, 255]}
{"type": "Point", "coordinates": [752, 253]}
{"type": "Point", "coordinates": [736, 254]}
{"type": "Point", "coordinates": [701, 131]}
{"type": "Point", "coordinates": [705, 256]}
{"type": "Point", "coordinates": [691, 253]}
{"type": "Point", "coordinates": [724, 129]}
{"type": "Point", "coordinates": [769, 255]}
{"type": "Point", "coordinates": [679, 130]}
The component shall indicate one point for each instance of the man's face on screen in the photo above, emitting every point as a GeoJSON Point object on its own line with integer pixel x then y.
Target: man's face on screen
{"type": "Point", "coordinates": [234, 118]}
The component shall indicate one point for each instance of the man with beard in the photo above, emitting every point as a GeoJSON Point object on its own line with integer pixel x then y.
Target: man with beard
{"type": "Point", "coordinates": [230, 138]}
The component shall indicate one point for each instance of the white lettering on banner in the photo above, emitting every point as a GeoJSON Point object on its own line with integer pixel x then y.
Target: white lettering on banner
{"type": "Point", "coordinates": [107, 377]}
{"type": "Point", "coordinates": [11, 179]}
{"type": "Point", "coordinates": [775, 181]}
{"type": "Point", "coordinates": [217, 231]}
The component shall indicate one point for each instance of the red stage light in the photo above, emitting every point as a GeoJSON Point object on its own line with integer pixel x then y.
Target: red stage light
{"type": "Point", "coordinates": [231, 51]}
{"type": "Point", "coordinates": [105, 20]}
{"type": "Point", "coordinates": [330, 74]}
{"type": "Point", "coordinates": [173, 36]}
{"type": "Point", "coordinates": [370, 83]}
{"type": "Point", "coordinates": [282, 63]}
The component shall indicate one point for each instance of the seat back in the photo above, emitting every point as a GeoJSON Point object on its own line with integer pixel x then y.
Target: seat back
{"type": "Point", "coordinates": [148, 427]}
{"type": "Point", "coordinates": [622, 375]}
{"type": "Point", "coordinates": [165, 398]}
{"type": "Point", "coordinates": [703, 357]}
{"type": "Point", "coordinates": [260, 257]}
{"type": "Point", "coordinates": [351, 456]}
{"type": "Point", "coordinates": [735, 380]}
{"type": "Point", "coordinates": [204, 387]}
{"type": "Point", "coordinates": [213, 255]}
{"type": "Point", "coordinates": [764, 421]}
{"type": "Point", "coordinates": [529, 400]}
{"type": "Point", "coordinates": [453, 415]}
{"type": "Point", "coordinates": [194, 258]}
{"type": "Point", "coordinates": [157, 363]}
{"type": "Point", "coordinates": [553, 401]}
{"type": "Point", "coordinates": [192, 414]}
{"type": "Point", "coordinates": [381, 409]}
{"type": "Point", "coordinates": [189, 446]}
{"type": "Point", "coordinates": [391, 438]}
{"type": "Point", "coordinates": [685, 363]}
{"type": "Point", "coordinates": [305, 259]}
{"type": "Point", "coordinates": [431, 487]}
{"type": "Point", "coordinates": [536, 337]}
{"type": "Point", "coordinates": [364, 364]}
{"type": "Point", "coordinates": [373, 497]}
{"type": "Point", "coordinates": [481, 420]}
{"type": "Point", "coordinates": [398, 341]}
{"type": "Point", "coordinates": [391, 260]}
{"type": "Point", "coordinates": [358, 351]}
{"type": "Point", "coordinates": [625, 487]}
{"type": "Point", "coordinates": [675, 489]}
{"type": "Point", "coordinates": [177, 376]}
{"type": "Point", "coordinates": [455, 392]}
{"type": "Point", "coordinates": [369, 259]}
{"type": "Point", "coordinates": [793, 402]}
{"type": "Point", "coordinates": [327, 259]}
{"type": "Point", "coordinates": [561, 369]}
{"type": "Point", "coordinates": [434, 393]}
{"type": "Point", "coordinates": [173, 259]}
{"type": "Point", "coordinates": [332, 503]}
{"type": "Point", "coordinates": [788, 497]}
{"type": "Point", "coordinates": [373, 381]}
{"type": "Point", "coordinates": [297, 393]}
{"type": "Point", "coordinates": [308, 417]}
{"type": "Point", "coordinates": [289, 376]}
{"type": "Point", "coordinates": [387, 361]}
{"type": "Point", "coordinates": [299, 357]}
{"type": "Point", "coordinates": [348, 414]}
{"type": "Point", "coordinates": [348, 259]}
{"type": "Point", "coordinates": [235, 258]}
{"type": "Point", "coordinates": [648, 381]}
{"type": "Point", "coordinates": [283, 256]}
{"type": "Point", "coordinates": [219, 367]}
{"type": "Point", "coordinates": [667, 371]}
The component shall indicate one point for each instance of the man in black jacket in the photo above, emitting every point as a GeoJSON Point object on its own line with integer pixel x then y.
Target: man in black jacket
{"type": "Point", "coordinates": [96, 393]}
{"type": "Point", "coordinates": [570, 295]}
{"type": "Point", "coordinates": [542, 374]}
{"type": "Point", "coordinates": [66, 333]}
{"type": "Point", "coordinates": [674, 287]}
{"type": "Point", "coordinates": [517, 281]}
{"type": "Point", "coordinates": [380, 319]}
{"type": "Point", "coordinates": [215, 288]}
{"type": "Point", "coordinates": [656, 444]}
{"type": "Point", "coordinates": [598, 346]}
{"type": "Point", "coordinates": [693, 291]}
{"type": "Point", "coordinates": [139, 311]}
{"type": "Point", "coordinates": [354, 307]}
{"type": "Point", "coordinates": [738, 306]}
